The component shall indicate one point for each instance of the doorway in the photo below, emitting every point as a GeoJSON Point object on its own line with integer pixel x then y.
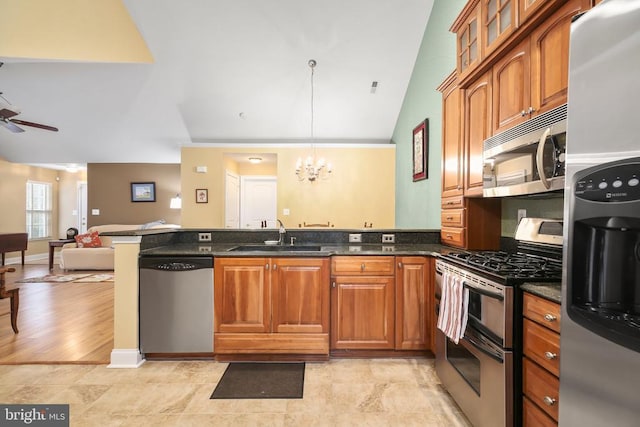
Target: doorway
{"type": "Point", "coordinates": [258, 201]}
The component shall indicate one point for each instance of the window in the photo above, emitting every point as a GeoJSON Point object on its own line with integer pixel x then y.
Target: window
{"type": "Point", "coordinates": [39, 211]}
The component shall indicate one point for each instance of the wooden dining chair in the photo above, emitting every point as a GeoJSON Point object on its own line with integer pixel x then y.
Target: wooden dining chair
{"type": "Point", "coordinates": [13, 295]}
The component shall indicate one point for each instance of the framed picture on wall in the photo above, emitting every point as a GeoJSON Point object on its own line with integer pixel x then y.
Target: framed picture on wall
{"type": "Point", "coordinates": [421, 151]}
{"type": "Point", "coordinates": [202, 195]}
{"type": "Point", "coordinates": [143, 191]}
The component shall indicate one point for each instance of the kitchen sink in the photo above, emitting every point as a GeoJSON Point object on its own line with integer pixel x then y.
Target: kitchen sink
{"type": "Point", "coordinates": [276, 248]}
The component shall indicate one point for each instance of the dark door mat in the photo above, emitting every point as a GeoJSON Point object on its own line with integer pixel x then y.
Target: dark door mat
{"type": "Point", "coordinates": [250, 380]}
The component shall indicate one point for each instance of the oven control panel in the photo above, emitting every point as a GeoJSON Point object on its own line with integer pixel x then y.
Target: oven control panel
{"type": "Point", "coordinates": [620, 183]}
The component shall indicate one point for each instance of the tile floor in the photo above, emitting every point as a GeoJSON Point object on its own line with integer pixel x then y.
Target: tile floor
{"type": "Point", "coordinates": [341, 392]}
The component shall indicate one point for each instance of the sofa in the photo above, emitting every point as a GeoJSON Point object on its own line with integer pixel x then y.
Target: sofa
{"type": "Point", "coordinates": [75, 257]}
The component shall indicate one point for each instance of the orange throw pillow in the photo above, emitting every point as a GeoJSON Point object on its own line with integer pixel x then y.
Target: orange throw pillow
{"type": "Point", "coordinates": [89, 240]}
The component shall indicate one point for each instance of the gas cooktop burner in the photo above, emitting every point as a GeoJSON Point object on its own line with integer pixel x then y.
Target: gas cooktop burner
{"type": "Point", "coordinates": [511, 265]}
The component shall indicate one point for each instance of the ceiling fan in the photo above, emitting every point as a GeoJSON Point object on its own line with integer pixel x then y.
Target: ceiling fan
{"type": "Point", "coordinates": [7, 111]}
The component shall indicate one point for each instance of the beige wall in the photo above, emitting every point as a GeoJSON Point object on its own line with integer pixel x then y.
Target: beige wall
{"type": "Point", "coordinates": [361, 188]}
{"type": "Point", "coordinates": [70, 29]}
{"type": "Point", "coordinates": [68, 215]}
{"type": "Point", "coordinates": [109, 188]}
{"type": "Point", "coordinates": [13, 186]}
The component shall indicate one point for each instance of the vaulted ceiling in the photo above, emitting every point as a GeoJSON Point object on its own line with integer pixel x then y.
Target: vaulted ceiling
{"type": "Point", "coordinates": [221, 71]}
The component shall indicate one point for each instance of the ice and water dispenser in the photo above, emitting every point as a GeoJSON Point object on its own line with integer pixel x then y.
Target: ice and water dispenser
{"type": "Point", "coordinates": [603, 276]}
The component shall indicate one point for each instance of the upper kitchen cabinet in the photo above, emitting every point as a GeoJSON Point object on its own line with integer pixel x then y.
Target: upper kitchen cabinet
{"type": "Point", "coordinates": [528, 7]}
{"type": "Point", "coordinates": [550, 57]}
{"type": "Point", "coordinates": [477, 128]}
{"type": "Point", "coordinates": [498, 22]}
{"type": "Point", "coordinates": [512, 88]}
{"type": "Point", "coordinates": [532, 78]}
{"type": "Point", "coordinates": [469, 46]}
{"type": "Point", "coordinates": [452, 148]}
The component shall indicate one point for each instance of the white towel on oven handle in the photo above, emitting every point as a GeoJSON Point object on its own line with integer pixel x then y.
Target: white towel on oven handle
{"type": "Point", "coordinates": [454, 303]}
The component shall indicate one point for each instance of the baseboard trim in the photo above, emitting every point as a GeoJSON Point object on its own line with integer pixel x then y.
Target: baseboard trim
{"type": "Point", "coordinates": [126, 358]}
{"type": "Point", "coordinates": [27, 258]}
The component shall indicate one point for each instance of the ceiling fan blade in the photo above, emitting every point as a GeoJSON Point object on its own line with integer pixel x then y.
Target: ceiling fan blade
{"type": "Point", "coordinates": [13, 128]}
{"type": "Point", "coordinates": [35, 125]}
{"type": "Point", "coordinates": [5, 113]}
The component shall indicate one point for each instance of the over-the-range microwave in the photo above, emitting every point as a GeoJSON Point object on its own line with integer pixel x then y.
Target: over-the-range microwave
{"type": "Point", "coordinates": [528, 158]}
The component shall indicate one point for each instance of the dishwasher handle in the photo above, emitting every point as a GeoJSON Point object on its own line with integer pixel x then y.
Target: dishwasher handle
{"type": "Point", "coordinates": [176, 263]}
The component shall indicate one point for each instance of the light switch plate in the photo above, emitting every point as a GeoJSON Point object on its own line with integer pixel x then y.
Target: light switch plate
{"type": "Point", "coordinates": [95, 211]}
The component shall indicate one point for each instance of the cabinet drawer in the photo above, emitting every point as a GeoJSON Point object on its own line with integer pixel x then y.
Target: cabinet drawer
{"type": "Point", "coordinates": [363, 266]}
{"type": "Point", "coordinates": [452, 202]}
{"type": "Point", "coordinates": [452, 217]}
{"type": "Point", "coordinates": [453, 236]}
{"type": "Point", "coordinates": [542, 311]}
{"type": "Point", "coordinates": [542, 346]}
{"type": "Point", "coordinates": [541, 388]}
{"type": "Point", "coordinates": [532, 416]}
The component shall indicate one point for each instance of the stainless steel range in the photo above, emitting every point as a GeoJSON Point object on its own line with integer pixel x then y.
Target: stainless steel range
{"type": "Point", "coordinates": [482, 371]}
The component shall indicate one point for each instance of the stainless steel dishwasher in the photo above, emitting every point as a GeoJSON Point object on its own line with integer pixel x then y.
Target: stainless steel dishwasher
{"type": "Point", "coordinates": [176, 304]}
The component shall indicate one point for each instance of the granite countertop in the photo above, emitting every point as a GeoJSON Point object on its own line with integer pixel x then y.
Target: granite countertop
{"type": "Point", "coordinates": [551, 291]}
{"type": "Point", "coordinates": [225, 249]}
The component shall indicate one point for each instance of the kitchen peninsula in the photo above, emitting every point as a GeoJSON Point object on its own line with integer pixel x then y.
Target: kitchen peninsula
{"type": "Point", "coordinates": [387, 276]}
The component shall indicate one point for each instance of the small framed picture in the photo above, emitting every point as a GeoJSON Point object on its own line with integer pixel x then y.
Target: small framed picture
{"type": "Point", "coordinates": [202, 195]}
{"type": "Point", "coordinates": [421, 151]}
{"type": "Point", "coordinates": [143, 191]}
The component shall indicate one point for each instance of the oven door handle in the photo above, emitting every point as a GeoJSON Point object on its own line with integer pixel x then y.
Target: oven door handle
{"type": "Point", "coordinates": [484, 348]}
{"type": "Point", "coordinates": [493, 295]}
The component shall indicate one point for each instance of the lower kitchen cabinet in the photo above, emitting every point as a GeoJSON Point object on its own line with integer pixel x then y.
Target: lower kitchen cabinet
{"type": "Point", "coordinates": [271, 305]}
{"type": "Point", "coordinates": [381, 303]}
{"type": "Point", "coordinates": [414, 302]}
{"type": "Point", "coordinates": [541, 362]}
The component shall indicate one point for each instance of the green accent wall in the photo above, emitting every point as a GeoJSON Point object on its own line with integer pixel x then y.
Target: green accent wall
{"type": "Point", "coordinates": [418, 203]}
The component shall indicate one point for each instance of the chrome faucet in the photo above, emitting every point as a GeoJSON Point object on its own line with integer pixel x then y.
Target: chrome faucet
{"type": "Point", "coordinates": [281, 231]}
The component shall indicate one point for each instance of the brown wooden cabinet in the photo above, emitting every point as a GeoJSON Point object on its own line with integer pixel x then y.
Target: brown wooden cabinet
{"type": "Point", "coordinates": [381, 302]}
{"type": "Point", "coordinates": [477, 128]}
{"type": "Point", "coordinates": [452, 141]}
{"type": "Point", "coordinates": [512, 88]}
{"type": "Point", "coordinates": [414, 304]}
{"type": "Point", "coordinates": [271, 305]}
{"type": "Point", "coordinates": [478, 226]}
{"type": "Point", "coordinates": [541, 362]}
{"type": "Point", "coordinates": [469, 38]}
{"type": "Point", "coordinates": [362, 302]}
{"type": "Point", "coordinates": [532, 78]}
{"type": "Point", "coordinates": [498, 22]}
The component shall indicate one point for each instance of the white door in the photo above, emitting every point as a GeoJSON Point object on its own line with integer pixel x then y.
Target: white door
{"type": "Point", "coordinates": [82, 207]}
{"type": "Point", "coordinates": [231, 200]}
{"type": "Point", "coordinates": [258, 201]}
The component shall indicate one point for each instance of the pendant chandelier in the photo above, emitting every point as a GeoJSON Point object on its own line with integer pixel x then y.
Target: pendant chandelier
{"type": "Point", "coordinates": [312, 168]}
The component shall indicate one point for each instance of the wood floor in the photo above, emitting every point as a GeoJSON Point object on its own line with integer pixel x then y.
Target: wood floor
{"type": "Point", "coordinates": [58, 322]}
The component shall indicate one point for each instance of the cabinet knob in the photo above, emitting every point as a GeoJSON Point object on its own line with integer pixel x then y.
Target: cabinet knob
{"type": "Point", "coordinates": [399, 265]}
{"type": "Point", "coordinates": [275, 266]}
{"type": "Point", "coordinates": [362, 267]}
{"type": "Point", "coordinates": [549, 355]}
{"type": "Point", "coordinates": [333, 284]}
{"type": "Point", "coordinates": [449, 218]}
{"type": "Point", "coordinates": [549, 401]}
{"type": "Point", "coordinates": [550, 317]}
{"type": "Point", "coordinates": [531, 110]}
{"type": "Point", "coordinates": [523, 113]}
{"type": "Point", "coordinates": [266, 266]}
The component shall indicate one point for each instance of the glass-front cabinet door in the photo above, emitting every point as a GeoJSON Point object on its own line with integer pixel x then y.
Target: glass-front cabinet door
{"type": "Point", "coordinates": [469, 46]}
{"type": "Point", "coordinates": [499, 20]}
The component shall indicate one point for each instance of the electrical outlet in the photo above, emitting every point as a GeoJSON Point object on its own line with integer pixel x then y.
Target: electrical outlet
{"type": "Point", "coordinates": [522, 213]}
{"type": "Point", "coordinates": [388, 238]}
{"type": "Point", "coordinates": [204, 237]}
{"type": "Point", "coordinates": [355, 238]}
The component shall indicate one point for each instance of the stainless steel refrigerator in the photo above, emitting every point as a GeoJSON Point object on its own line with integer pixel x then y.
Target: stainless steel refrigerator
{"type": "Point", "coordinates": [600, 325]}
